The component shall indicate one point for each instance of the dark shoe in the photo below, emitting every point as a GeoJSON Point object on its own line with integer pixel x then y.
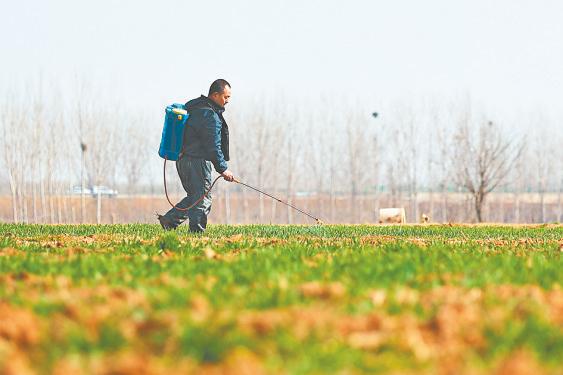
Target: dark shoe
{"type": "Point", "coordinates": [165, 223]}
{"type": "Point", "coordinates": [198, 228]}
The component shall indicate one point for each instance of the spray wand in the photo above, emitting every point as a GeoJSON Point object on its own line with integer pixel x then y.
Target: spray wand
{"type": "Point", "coordinates": [319, 221]}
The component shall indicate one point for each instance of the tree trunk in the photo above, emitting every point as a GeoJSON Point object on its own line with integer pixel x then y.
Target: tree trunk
{"type": "Point", "coordinates": [560, 203]}
{"type": "Point", "coordinates": [51, 204]}
{"type": "Point", "coordinates": [331, 197]}
{"type": "Point", "coordinates": [245, 206]}
{"type": "Point", "coordinates": [25, 213]}
{"type": "Point", "coordinates": [431, 204]}
{"type": "Point", "coordinates": [444, 204]}
{"type": "Point", "coordinates": [21, 202]}
{"type": "Point", "coordinates": [375, 207]}
{"type": "Point", "coordinates": [72, 213]}
{"type": "Point", "coordinates": [98, 208]}
{"type": "Point", "coordinates": [414, 198]}
{"type": "Point", "coordinates": [479, 199]}
{"type": "Point", "coordinates": [82, 195]}
{"type": "Point", "coordinates": [289, 211]}
{"type": "Point", "coordinates": [354, 207]}
{"type": "Point", "coordinates": [13, 190]}
{"type": "Point", "coordinates": [59, 209]}
{"type": "Point", "coordinates": [43, 200]}
{"type": "Point", "coordinates": [261, 207]}
{"type": "Point", "coordinates": [517, 207]}
{"type": "Point", "coordinates": [542, 207]}
{"type": "Point", "coordinates": [227, 206]}
{"type": "Point", "coordinates": [34, 201]}
{"type": "Point", "coordinates": [478, 213]}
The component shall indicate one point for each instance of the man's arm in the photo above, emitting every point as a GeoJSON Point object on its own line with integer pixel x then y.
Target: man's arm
{"type": "Point", "coordinates": [211, 137]}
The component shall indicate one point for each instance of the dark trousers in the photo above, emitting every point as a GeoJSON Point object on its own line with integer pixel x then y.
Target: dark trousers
{"type": "Point", "coordinates": [195, 175]}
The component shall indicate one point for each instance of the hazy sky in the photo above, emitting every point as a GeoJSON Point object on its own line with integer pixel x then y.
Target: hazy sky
{"type": "Point", "coordinates": [507, 54]}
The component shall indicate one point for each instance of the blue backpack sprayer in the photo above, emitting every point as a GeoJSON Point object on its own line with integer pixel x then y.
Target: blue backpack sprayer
{"type": "Point", "coordinates": [175, 120]}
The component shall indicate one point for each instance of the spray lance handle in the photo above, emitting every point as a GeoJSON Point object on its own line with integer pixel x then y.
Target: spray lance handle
{"type": "Point", "coordinates": [227, 175]}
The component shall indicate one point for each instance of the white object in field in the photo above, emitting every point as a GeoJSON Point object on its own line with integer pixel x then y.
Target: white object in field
{"type": "Point", "coordinates": [392, 215]}
{"type": "Point", "coordinates": [424, 219]}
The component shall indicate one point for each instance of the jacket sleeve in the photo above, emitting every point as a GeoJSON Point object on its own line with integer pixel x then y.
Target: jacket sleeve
{"type": "Point", "coordinates": [211, 137]}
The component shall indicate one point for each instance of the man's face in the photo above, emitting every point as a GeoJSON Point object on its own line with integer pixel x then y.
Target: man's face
{"type": "Point", "coordinates": [222, 99]}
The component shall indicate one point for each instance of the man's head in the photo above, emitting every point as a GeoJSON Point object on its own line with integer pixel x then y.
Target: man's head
{"type": "Point", "coordinates": [220, 92]}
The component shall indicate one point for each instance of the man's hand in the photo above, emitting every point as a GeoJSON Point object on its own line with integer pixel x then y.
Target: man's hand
{"type": "Point", "coordinates": [228, 175]}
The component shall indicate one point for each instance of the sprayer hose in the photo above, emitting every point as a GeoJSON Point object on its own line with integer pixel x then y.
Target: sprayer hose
{"type": "Point", "coordinates": [193, 204]}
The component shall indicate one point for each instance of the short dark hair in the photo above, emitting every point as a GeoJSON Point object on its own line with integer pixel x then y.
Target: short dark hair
{"type": "Point", "coordinates": [218, 86]}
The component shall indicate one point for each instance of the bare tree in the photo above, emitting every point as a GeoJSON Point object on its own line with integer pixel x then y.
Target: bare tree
{"type": "Point", "coordinates": [137, 144]}
{"type": "Point", "coordinates": [333, 150]}
{"type": "Point", "coordinates": [260, 151]}
{"type": "Point", "coordinates": [410, 159]}
{"type": "Point", "coordinates": [559, 178]}
{"type": "Point", "coordinates": [240, 152]}
{"type": "Point", "coordinates": [441, 161]}
{"type": "Point", "coordinates": [10, 119]}
{"type": "Point", "coordinates": [560, 201]}
{"type": "Point", "coordinates": [396, 162]}
{"type": "Point", "coordinates": [544, 164]}
{"type": "Point", "coordinates": [482, 160]}
{"type": "Point", "coordinates": [277, 135]}
{"type": "Point", "coordinates": [521, 179]}
{"type": "Point", "coordinates": [290, 176]}
{"type": "Point", "coordinates": [357, 151]}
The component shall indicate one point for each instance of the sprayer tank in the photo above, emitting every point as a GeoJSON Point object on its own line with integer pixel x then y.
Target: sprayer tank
{"type": "Point", "coordinates": [173, 132]}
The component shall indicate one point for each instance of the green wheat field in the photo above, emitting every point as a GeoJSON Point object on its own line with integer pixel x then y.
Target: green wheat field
{"type": "Point", "coordinates": [132, 299]}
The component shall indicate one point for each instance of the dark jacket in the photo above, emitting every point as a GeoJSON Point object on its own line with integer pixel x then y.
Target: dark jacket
{"type": "Point", "coordinates": [206, 135]}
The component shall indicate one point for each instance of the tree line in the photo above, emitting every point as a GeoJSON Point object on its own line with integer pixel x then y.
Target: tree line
{"type": "Point", "coordinates": [414, 154]}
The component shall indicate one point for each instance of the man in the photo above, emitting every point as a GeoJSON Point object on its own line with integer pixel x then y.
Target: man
{"type": "Point", "coordinates": [206, 143]}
